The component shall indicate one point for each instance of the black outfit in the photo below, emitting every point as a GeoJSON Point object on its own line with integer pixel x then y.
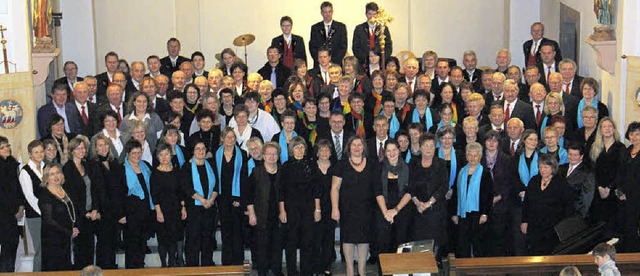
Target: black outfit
{"type": "Point", "coordinates": [262, 192]}
{"type": "Point", "coordinates": [112, 182]}
{"type": "Point", "coordinates": [628, 183]}
{"type": "Point", "coordinates": [210, 138]}
{"type": "Point", "coordinates": [425, 183]}
{"type": "Point", "coordinates": [9, 205]}
{"type": "Point", "coordinates": [336, 41]}
{"type": "Point", "coordinates": [200, 221]}
{"type": "Point", "coordinates": [167, 194]}
{"type": "Point", "coordinates": [297, 47]}
{"type": "Point", "coordinates": [91, 110]}
{"type": "Point", "coordinates": [140, 221]}
{"type": "Point", "coordinates": [360, 45]}
{"type": "Point", "coordinates": [475, 78]}
{"type": "Point", "coordinates": [523, 111]}
{"type": "Point", "coordinates": [606, 169]}
{"type": "Point", "coordinates": [231, 217]}
{"type": "Point", "coordinates": [86, 198]}
{"type": "Point", "coordinates": [526, 48]}
{"type": "Point", "coordinates": [167, 68]}
{"type": "Point", "coordinates": [357, 200]}
{"type": "Point", "coordinates": [471, 234]}
{"type": "Point", "coordinates": [542, 210]}
{"type": "Point", "coordinates": [58, 217]}
{"type": "Point", "coordinates": [582, 183]}
{"type": "Point", "coordinates": [584, 141]}
{"type": "Point", "coordinates": [281, 71]}
{"type": "Point", "coordinates": [325, 228]}
{"type": "Point", "coordinates": [298, 190]}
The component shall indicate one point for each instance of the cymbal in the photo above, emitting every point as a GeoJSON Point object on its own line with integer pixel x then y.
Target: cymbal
{"type": "Point", "coordinates": [244, 40]}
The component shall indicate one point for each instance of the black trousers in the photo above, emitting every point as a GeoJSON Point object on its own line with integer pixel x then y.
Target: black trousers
{"type": "Point", "coordinates": [324, 243]}
{"type": "Point", "coordinates": [498, 234]}
{"type": "Point", "coordinates": [107, 243]}
{"type": "Point", "coordinates": [300, 232]}
{"type": "Point", "coordinates": [231, 219]}
{"type": "Point", "coordinates": [199, 232]}
{"type": "Point", "coordinates": [518, 243]}
{"type": "Point", "coordinates": [471, 235]}
{"type": "Point", "coordinates": [268, 248]}
{"type": "Point", "coordinates": [139, 227]}
{"type": "Point", "coordinates": [389, 235]}
{"type": "Point", "coordinates": [84, 243]}
{"type": "Point", "coordinates": [630, 240]}
{"type": "Point", "coordinates": [9, 239]}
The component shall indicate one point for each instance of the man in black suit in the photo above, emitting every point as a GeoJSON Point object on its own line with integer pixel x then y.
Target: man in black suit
{"type": "Point", "coordinates": [486, 81]}
{"type": "Point", "coordinates": [86, 109]}
{"type": "Point", "coordinates": [321, 69]}
{"type": "Point", "coordinates": [114, 95]}
{"type": "Point", "coordinates": [137, 73]}
{"type": "Point", "coordinates": [496, 117]}
{"type": "Point", "coordinates": [411, 67]}
{"type": "Point", "coordinates": [503, 60]}
{"type": "Point", "coordinates": [105, 78]}
{"type": "Point", "coordinates": [274, 70]}
{"type": "Point", "coordinates": [510, 143]}
{"type": "Point", "coordinates": [497, 90]}
{"type": "Point", "coordinates": [121, 79]}
{"type": "Point", "coordinates": [171, 63]}
{"type": "Point", "coordinates": [366, 37]}
{"type": "Point", "coordinates": [471, 73]}
{"type": "Point", "coordinates": [291, 46]}
{"type": "Point", "coordinates": [197, 58]}
{"type": "Point", "coordinates": [531, 47]}
{"type": "Point", "coordinates": [337, 135]}
{"type": "Point", "coordinates": [375, 145]}
{"type": "Point", "coordinates": [514, 72]}
{"type": "Point", "coordinates": [70, 76]}
{"type": "Point", "coordinates": [92, 85]}
{"type": "Point", "coordinates": [59, 105]}
{"type": "Point", "coordinates": [570, 80]}
{"type": "Point", "coordinates": [570, 102]}
{"type": "Point", "coordinates": [514, 108]}
{"type": "Point", "coordinates": [328, 33]}
{"type": "Point", "coordinates": [548, 63]}
{"type": "Point", "coordinates": [154, 66]}
{"type": "Point", "coordinates": [442, 77]}
{"type": "Point", "coordinates": [531, 76]}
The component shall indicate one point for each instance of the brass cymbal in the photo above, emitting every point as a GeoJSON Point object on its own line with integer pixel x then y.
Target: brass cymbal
{"type": "Point", "coordinates": [244, 40]}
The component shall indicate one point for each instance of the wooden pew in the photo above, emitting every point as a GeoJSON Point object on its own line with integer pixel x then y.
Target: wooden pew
{"type": "Point", "coordinates": [628, 263]}
{"type": "Point", "coordinates": [178, 271]}
{"type": "Point", "coordinates": [407, 263]}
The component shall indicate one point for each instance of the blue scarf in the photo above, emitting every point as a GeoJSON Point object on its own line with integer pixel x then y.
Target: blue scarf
{"type": "Point", "coordinates": [469, 198]}
{"type": "Point", "coordinates": [195, 177]}
{"type": "Point", "coordinates": [250, 165]}
{"type": "Point", "coordinates": [428, 120]}
{"type": "Point", "coordinates": [581, 106]}
{"type": "Point", "coordinates": [454, 165]}
{"type": "Point", "coordinates": [134, 185]}
{"type": "Point", "coordinates": [562, 154]}
{"type": "Point", "coordinates": [527, 173]}
{"type": "Point", "coordinates": [235, 185]}
{"type": "Point", "coordinates": [394, 126]}
{"type": "Point", "coordinates": [561, 142]}
{"type": "Point", "coordinates": [440, 125]}
{"type": "Point", "coordinates": [180, 155]}
{"type": "Point", "coordinates": [543, 125]}
{"type": "Point", "coordinates": [408, 158]}
{"type": "Point", "coordinates": [284, 147]}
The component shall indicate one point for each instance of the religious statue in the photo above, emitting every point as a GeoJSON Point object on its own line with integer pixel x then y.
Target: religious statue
{"type": "Point", "coordinates": [604, 13]}
{"type": "Point", "coordinates": [41, 26]}
{"type": "Point", "coordinates": [382, 20]}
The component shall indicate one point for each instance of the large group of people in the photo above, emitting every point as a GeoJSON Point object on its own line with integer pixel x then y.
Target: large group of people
{"type": "Point", "coordinates": [480, 161]}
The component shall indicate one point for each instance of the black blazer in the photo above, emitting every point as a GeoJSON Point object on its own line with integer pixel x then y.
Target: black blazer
{"type": "Point", "coordinates": [92, 114]}
{"type": "Point", "coordinates": [372, 152]}
{"type": "Point", "coordinates": [167, 68]}
{"type": "Point", "coordinates": [97, 124]}
{"type": "Point", "coordinates": [345, 138]}
{"type": "Point", "coordinates": [360, 45]}
{"type": "Point", "coordinates": [526, 48]}
{"type": "Point", "coordinates": [486, 194]}
{"type": "Point", "coordinates": [297, 47]}
{"type": "Point", "coordinates": [64, 80]}
{"type": "Point", "coordinates": [543, 75]}
{"type": "Point", "coordinates": [575, 87]}
{"type": "Point", "coordinates": [524, 111]}
{"type": "Point", "coordinates": [103, 83]}
{"type": "Point", "coordinates": [46, 111]}
{"type": "Point", "coordinates": [336, 42]}
{"type": "Point", "coordinates": [75, 187]}
{"type": "Point", "coordinates": [477, 78]}
{"type": "Point", "coordinates": [282, 74]}
{"type": "Point", "coordinates": [582, 182]}
{"type": "Point", "coordinates": [505, 174]}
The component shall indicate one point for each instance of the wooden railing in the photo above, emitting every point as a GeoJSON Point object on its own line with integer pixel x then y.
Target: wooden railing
{"type": "Point", "coordinates": [178, 271]}
{"type": "Point", "coordinates": [408, 263]}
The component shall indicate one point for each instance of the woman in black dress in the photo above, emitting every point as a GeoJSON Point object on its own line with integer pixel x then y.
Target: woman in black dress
{"type": "Point", "coordinates": [299, 205]}
{"type": "Point", "coordinates": [586, 134]}
{"type": "Point", "coordinates": [262, 209]}
{"type": "Point", "coordinates": [11, 208]}
{"type": "Point", "coordinates": [629, 191]}
{"type": "Point", "coordinates": [56, 128]}
{"type": "Point", "coordinates": [198, 183]}
{"type": "Point", "coordinates": [58, 221]}
{"type": "Point", "coordinates": [231, 173]}
{"type": "Point", "coordinates": [179, 154]}
{"type": "Point", "coordinates": [107, 174]}
{"type": "Point", "coordinates": [393, 221]}
{"type": "Point", "coordinates": [325, 228]}
{"type": "Point", "coordinates": [605, 156]}
{"type": "Point", "coordinates": [139, 205]}
{"type": "Point", "coordinates": [547, 201]}
{"type": "Point", "coordinates": [427, 187]}
{"type": "Point", "coordinates": [208, 134]}
{"type": "Point", "coordinates": [169, 204]}
{"type": "Point", "coordinates": [352, 200]}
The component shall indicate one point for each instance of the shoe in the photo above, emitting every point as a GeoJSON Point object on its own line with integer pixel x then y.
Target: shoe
{"type": "Point", "coordinates": [327, 273]}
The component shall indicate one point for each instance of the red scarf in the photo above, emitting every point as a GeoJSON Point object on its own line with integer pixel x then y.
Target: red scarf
{"type": "Point", "coordinates": [378, 107]}
{"type": "Point", "coordinates": [359, 123]}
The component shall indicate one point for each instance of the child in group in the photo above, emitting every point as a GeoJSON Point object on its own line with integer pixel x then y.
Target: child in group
{"type": "Point", "coordinates": [605, 258]}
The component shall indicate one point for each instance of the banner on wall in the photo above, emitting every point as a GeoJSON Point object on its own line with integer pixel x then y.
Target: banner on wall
{"type": "Point", "coordinates": [633, 84]}
{"type": "Point", "coordinates": [17, 111]}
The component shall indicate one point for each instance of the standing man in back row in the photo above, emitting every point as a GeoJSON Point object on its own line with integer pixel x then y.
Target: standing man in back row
{"type": "Point", "coordinates": [171, 63]}
{"type": "Point", "coordinates": [330, 34]}
{"type": "Point", "coordinates": [365, 37]}
{"type": "Point", "coordinates": [532, 46]}
{"type": "Point", "coordinates": [291, 46]}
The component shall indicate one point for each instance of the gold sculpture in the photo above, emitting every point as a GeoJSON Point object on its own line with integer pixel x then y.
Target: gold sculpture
{"type": "Point", "coordinates": [41, 26]}
{"type": "Point", "coordinates": [381, 20]}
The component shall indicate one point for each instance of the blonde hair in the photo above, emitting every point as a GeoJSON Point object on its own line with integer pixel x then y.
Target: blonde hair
{"type": "Point", "coordinates": [477, 97]}
{"type": "Point", "coordinates": [556, 96]}
{"type": "Point", "coordinates": [598, 144]}
{"type": "Point", "coordinates": [47, 172]}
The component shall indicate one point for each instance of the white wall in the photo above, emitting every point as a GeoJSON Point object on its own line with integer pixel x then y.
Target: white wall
{"type": "Point", "coordinates": [14, 17]}
{"type": "Point", "coordinates": [520, 27]}
{"type": "Point", "coordinates": [78, 36]}
{"type": "Point", "coordinates": [136, 29]}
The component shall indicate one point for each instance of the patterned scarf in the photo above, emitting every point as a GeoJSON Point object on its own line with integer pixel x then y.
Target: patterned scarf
{"type": "Point", "coordinates": [359, 124]}
{"type": "Point", "coordinates": [378, 107]}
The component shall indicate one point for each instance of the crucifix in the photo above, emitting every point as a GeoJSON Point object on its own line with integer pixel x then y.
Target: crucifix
{"type": "Point", "coordinates": [4, 49]}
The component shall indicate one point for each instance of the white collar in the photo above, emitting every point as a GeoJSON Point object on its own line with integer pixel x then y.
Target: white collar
{"type": "Point", "coordinates": [59, 108]}
{"type": "Point", "coordinates": [133, 117]}
{"type": "Point", "coordinates": [173, 59]}
{"type": "Point", "coordinates": [287, 37]}
{"type": "Point", "coordinates": [35, 168]}
{"type": "Point", "coordinates": [104, 131]}
{"type": "Point", "coordinates": [79, 105]}
{"type": "Point", "coordinates": [338, 134]}
{"type": "Point", "coordinates": [501, 126]}
{"type": "Point", "coordinates": [328, 24]}
{"type": "Point", "coordinates": [378, 141]}
{"type": "Point", "coordinates": [116, 107]}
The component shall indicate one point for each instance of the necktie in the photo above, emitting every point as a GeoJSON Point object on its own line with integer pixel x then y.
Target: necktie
{"type": "Point", "coordinates": [85, 118]}
{"type": "Point", "coordinates": [548, 72]}
{"type": "Point", "coordinates": [335, 93]}
{"type": "Point", "coordinates": [326, 77]}
{"type": "Point", "coordinates": [273, 77]}
{"type": "Point", "coordinates": [566, 88]}
{"type": "Point", "coordinates": [119, 116]}
{"type": "Point", "coordinates": [538, 114]}
{"type": "Point", "coordinates": [533, 48]}
{"type": "Point", "coordinates": [381, 152]}
{"type": "Point", "coordinates": [90, 99]}
{"type": "Point", "coordinates": [410, 89]}
{"type": "Point", "coordinates": [499, 130]}
{"type": "Point", "coordinates": [571, 168]}
{"type": "Point", "coordinates": [507, 113]}
{"type": "Point", "coordinates": [328, 30]}
{"type": "Point", "coordinates": [498, 97]}
{"type": "Point", "coordinates": [512, 149]}
{"type": "Point", "coordinates": [173, 63]}
{"type": "Point", "coordinates": [338, 147]}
